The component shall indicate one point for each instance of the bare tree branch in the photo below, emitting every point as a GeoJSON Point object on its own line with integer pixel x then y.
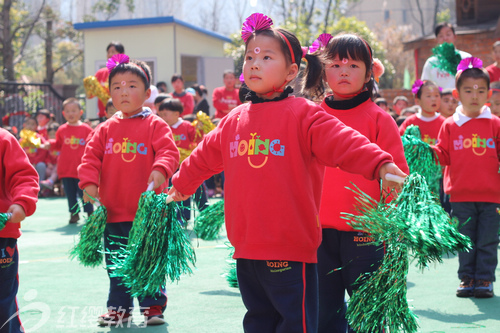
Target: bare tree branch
{"type": "Point", "coordinates": [28, 34]}
{"type": "Point", "coordinates": [80, 53]}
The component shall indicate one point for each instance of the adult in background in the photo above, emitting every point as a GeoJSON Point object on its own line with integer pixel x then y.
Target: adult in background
{"type": "Point", "coordinates": [103, 73]}
{"type": "Point", "coordinates": [445, 33]}
{"type": "Point", "coordinates": [494, 69]}
{"type": "Point", "coordinates": [227, 97]}
{"type": "Point", "coordinates": [181, 94]}
{"type": "Point", "coordinates": [200, 99]}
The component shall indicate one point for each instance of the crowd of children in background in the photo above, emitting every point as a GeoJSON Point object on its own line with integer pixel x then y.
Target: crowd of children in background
{"type": "Point", "coordinates": [55, 151]}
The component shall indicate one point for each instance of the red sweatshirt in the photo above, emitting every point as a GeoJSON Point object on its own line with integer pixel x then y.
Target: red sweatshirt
{"type": "Point", "coordinates": [379, 127]}
{"type": "Point", "coordinates": [272, 155]}
{"type": "Point", "coordinates": [35, 155]}
{"type": "Point", "coordinates": [187, 101]}
{"type": "Point", "coordinates": [184, 134]}
{"type": "Point", "coordinates": [119, 158]}
{"type": "Point", "coordinates": [70, 141]}
{"type": "Point", "coordinates": [19, 182]}
{"type": "Point", "coordinates": [429, 127]}
{"type": "Point", "coordinates": [102, 76]}
{"type": "Point", "coordinates": [222, 98]}
{"type": "Point", "coordinates": [470, 150]}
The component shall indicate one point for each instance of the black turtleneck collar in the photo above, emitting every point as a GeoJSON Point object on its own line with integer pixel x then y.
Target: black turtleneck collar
{"type": "Point", "coordinates": [252, 96]}
{"type": "Point", "coordinates": [349, 103]}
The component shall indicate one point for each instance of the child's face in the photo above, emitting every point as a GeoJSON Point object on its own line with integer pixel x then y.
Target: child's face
{"type": "Point", "coordinates": [170, 117]}
{"type": "Point", "coordinates": [448, 105]}
{"type": "Point", "coordinates": [473, 94]}
{"type": "Point", "coordinates": [30, 124]}
{"type": "Point", "coordinates": [72, 113]}
{"type": "Point", "coordinates": [229, 81]}
{"type": "Point", "coordinates": [42, 119]}
{"type": "Point", "coordinates": [265, 68]}
{"type": "Point", "coordinates": [430, 100]}
{"type": "Point", "coordinates": [110, 111]}
{"type": "Point", "coordinates": [399, 106]}
{"type": "Point", "coordinates": [345, 76]}
{"type": "Point", "coordinates": [496, 54]}
{"type": "Point", "coordinates": [495, 104]}
{"type": "Point", "coordinates": [51, 134]}
{"type": "Point", "coordinates": [128, 93]}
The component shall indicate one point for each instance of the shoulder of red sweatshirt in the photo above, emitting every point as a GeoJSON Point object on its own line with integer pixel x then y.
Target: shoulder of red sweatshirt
{"type": "Point", "coordinates": [19, 182]}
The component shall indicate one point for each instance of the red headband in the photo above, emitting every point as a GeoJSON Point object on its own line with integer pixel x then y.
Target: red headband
{"type": "Point", "coordinates": [368, 47]}
{"type": "Point", "coordinates": [289, 46]}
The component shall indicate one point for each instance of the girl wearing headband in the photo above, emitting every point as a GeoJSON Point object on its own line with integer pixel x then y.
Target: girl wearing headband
{"type": "Point", "coordinates": [126, 153]}
{"type": "Point", "coordinates": [345, 63]}
{"type": "Point", "coordinates": [272, 151]}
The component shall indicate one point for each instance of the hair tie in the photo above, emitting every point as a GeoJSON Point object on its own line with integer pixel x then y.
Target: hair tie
{"type": "Point", "coordinates": [320, 43]}
{"type": "Point", "coordinates": [471, 62]}
{"type": "Point", "coordinates": [119, 59]}
{"type": "Point", "coordinates": [304, 51]}
{"type": "Point", "coordinates": [253, 23]}
{"type": "Point", "coordinates": [416, 86]}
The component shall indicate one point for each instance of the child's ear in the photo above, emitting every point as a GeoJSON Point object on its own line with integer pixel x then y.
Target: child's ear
{"type": "Point", "coordinates": [292, 72]}
{"type": "Point", "coordinates": [148, 93]}
{"type": "Point", "coordinates": [455, 94]}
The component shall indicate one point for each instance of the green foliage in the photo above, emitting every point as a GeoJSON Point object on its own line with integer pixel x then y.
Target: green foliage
{"type": "Point", "coordinates": [443, 16]}
{"type": "Point", "coordinates": [34, 101]}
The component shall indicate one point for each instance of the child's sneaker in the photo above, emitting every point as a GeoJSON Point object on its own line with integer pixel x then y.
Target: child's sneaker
{"type": "Point", "coordinates": [484, 289]}
{"type": "Point", "coordinates": [466, 288]}
{"type": "Point", "coordinates": [114, 318]}
{"type": "Point", "coordinates": [47, 183]}
{"type": "Point", "coordinates": [153, 316]}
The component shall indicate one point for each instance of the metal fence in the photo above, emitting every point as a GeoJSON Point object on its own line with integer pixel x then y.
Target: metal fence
{"type": "Point", "coordinates": [21, 100]}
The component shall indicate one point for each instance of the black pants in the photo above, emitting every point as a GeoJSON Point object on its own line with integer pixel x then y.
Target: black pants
{"type": "Point", "coordinates": [342, 257]}
{"type": "Point", "coordinates": [9, 284]}
{"type": "Point", "coordinates": [73, 192]}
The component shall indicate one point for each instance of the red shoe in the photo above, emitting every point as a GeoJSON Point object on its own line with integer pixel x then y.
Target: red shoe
{"type": "Point", "coordinates": [154, 316]}
{"type": "Point", "coordinates": [114, 318]}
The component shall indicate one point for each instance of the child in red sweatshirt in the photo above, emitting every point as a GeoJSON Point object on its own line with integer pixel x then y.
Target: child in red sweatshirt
{"type": "Point", "coordinates": [70, 141]}
{"type": "Point", "coordinates": [469, 146]}
{"type": "Point", "coordinates": [18, 196]}
{"type": "Point", "coordinates": [126, 153]}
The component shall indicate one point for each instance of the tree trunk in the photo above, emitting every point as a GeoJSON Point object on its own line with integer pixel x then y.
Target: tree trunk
{"type": "Point", "coordinates": [7, 49]}
{"type": "Point", "coordinates": [49, 70]}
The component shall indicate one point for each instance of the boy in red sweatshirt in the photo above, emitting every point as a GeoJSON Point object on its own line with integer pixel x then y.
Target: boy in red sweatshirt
{"type": "Point", "coordinates": [70, 141]}
{"type": "Point", "coordinates": [468, 145]}
{"type": "Point", "coordinates": [227, 97]}
{"type": "Point", "coordinates": [126, 153]}
{"type": "Point", "coordinates": [18, 196]}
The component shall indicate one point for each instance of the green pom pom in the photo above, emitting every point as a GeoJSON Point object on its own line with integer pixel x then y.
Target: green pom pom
{"type": "Point", "coordinates": [413, 225]}
{"type": "Point", "coordinates": [157, 247]}
{"type": "Point", "coordinates": [210, 221]}
{"type": "Point", "coordinates": [421, 158]}
{"type": "Point", "coordinates": [4, 217]}
{"type": "Point", "coordinates": [448, 58]}
{"type": "Point", "coordinates": [231, 277]}
{"type": "Point", "coordinates": [89, 249]}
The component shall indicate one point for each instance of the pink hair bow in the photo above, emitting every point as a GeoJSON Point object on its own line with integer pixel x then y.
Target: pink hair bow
{"type": "Point", "coordinates": [116, 60]}
{"type": "Point", "coordinates": [471, 62]}
{"type": "Point", "coordinates": [416, 86]}
{"type": "Point", "coordinates": [320, 42]}
{"type": "Point", "coordinates": [255, 22]}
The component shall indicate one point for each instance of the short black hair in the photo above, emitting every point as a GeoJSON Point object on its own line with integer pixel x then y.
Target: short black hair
{"type": "Point", "coordinates": [176, 77]}
{"type": "Point", "coordinates": [117, 45]}
{"type": "Point", "coordinates": [475, 73]}
{"type": "Point", "coordinates": [161, 97]}
{"type": "Point", "coordinates": [171, 104]}
{"type": "Point", "coordinates": [439, 27]}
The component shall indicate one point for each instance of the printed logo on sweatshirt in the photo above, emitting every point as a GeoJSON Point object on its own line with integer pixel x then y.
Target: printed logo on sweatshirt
{"type": "Point", "coordinates": [127, 149]}
{"type": "Point", "coordinates": [427, 139]}
{"type": "Point", "coordinates": [256, 146]}
{"type": "Point", "coordinates": [74, 142]}
{"type": "Point", "coordinates": [476, 143]}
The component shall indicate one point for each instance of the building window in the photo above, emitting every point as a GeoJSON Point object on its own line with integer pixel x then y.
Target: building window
{"type": "Point", "coordinates": [387, 15]}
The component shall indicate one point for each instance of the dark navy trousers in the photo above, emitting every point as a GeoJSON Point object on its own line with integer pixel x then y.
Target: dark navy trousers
{"type": "Point", "coordinates": [9, 284]}
{"type": "Point", "coordinates": [280, 296]}
{"type": "Point", "coordinates": [73, 192]}
{"type": "Point", "coordinates": [342, 257]}
{"type": "Point", "coordinates": [119, 298]}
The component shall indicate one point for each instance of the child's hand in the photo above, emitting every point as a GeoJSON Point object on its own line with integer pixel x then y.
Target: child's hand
{"type": "Point", "coordinates": [392, 169]}
{"type": "Point", "coordinates": [18, 213]}
{"type": "Point", "coordinates": [176, 195]}
{"type": "Point", "coordinates": [90, 191]}
{"type": "Point", "coordinates": [157, 177]}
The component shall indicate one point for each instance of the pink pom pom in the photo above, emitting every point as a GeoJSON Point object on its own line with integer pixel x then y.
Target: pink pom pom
{"type": "Point", "coordinates": [116, 60]}
{"type": "Point", "coordinates": [377, 69]}
{"type": "Point", "coordinates": [471, 62]}
{"type": "Point", "coordinates": [320, 42]}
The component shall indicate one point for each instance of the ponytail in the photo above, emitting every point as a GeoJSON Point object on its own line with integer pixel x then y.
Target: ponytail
{"type": "Point", "coordinates": [312, 81]}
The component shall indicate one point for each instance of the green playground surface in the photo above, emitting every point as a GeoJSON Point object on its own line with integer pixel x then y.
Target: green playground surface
{"type": "Point", "coordinates": [57, 294]}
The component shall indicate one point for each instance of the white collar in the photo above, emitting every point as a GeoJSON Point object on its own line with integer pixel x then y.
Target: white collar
{"type": "Point", "coordinates": [178, 123]}
{"type": "Point", "coordinates": [427, 119]}
{"type": "Point", "coordinates": [460, 118]}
